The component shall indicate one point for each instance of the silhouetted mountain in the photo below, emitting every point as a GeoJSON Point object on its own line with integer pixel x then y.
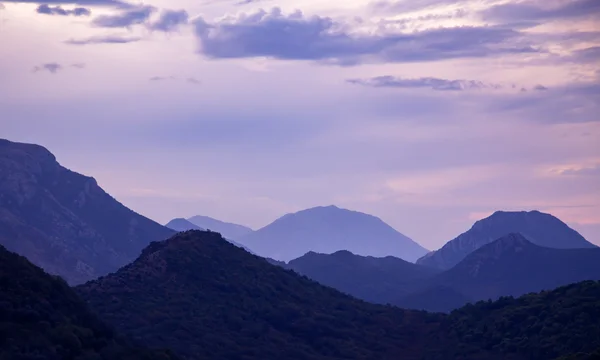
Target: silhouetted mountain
{"type": "Point", "coordinates": [63, 221]}
{"type": "Point", "coordinates": [327, 230]}
{"type": "Point", "coordinates": [378, 280]}
{"type": "Point", "coordinates": [539, 228]}
{"type": "Point", "coordinates": [42, 318]}
{"type": "Point", "coordinates": [207, 299]}
{"type": "Point", "coordinates": [181, 224]}
{"type": "Point", "coordinates": [228, 230]}
{"type": "Point", "coordinates": [509, 266]}
{"type": "Point", "coordinates": [514, 266]}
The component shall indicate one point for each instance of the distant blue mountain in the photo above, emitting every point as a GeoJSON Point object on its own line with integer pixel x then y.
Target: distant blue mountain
{"type": "Point", "coordinates": [228, 230]}
{"type": "Point", "coordinates": [328, 229]}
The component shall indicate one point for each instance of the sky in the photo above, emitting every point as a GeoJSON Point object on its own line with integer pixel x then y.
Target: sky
{"type": "Point", "coordinates": [429, 114]}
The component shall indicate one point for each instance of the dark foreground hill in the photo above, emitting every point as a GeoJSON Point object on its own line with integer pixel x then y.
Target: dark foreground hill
{"type": "Point", "coordinates": [327, 229]}
{"type": "Point", "coordinates": [207, 299]}
{"type": "Point", "coordinates": [537, 227]}
{"type": "Point", "coordinates": [63, 221]}
{"type": "Point", "coordinates": [377, 280]}
{"type": "Point", "coordinates": [42, 318]}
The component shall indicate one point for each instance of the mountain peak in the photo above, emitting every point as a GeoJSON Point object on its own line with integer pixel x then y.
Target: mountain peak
{"type": "Point", "coordinates": [327, 229]}
{"type": "Point", "coordinates": [537, 227]}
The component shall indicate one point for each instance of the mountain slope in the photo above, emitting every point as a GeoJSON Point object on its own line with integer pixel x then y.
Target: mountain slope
{"type": "Point", "coordinates": [562, 323]}
{"type": "Point", "coordinates": [510, 266]}
{"type": "Point", "coordinates": [378, 280]}
{"type": "Point", "coordinates": [42, 318]}
{"type": "Point", "coordinates": [181, 224]}
{"type": "Point", "coordinates": [63, 221]}
{"type": "Point", "coordinates": [327, 230]}
{"type": "Point", "coordinates": [228, 230]}
{"type": "Point", "coordinates": [539, 228]}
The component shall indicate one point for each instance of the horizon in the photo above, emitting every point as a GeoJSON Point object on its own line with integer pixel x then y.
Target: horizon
{"type": "Point", "coordinates": [427, 114]}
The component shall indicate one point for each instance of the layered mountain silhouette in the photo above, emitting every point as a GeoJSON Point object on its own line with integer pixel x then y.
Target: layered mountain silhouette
{"type": "Point", "coordinates": [228, 230]}
{"type": "Point", "coordinates": [181, 224]}
{"type": "Point", "coordinates": [509, 266]}
{"type": "Point", "coordinates": [42, 318]}
{"type": "Point", "coordinates": [377, 280]}
{"type": "Point", "coordinates": [207, 299]}
{"type": "Point", "coordinates": [327, 230]}
{"type": "Point", "coordinates": [63, 221]}
{"type": "Point", "coordinates": [539, 228]}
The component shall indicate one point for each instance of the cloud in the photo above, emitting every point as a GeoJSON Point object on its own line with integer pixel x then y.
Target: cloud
{"type": "Point", "coordinates": [246, 2]}
{"type": "Point", "coordinates": [189, 80]}
{"type": "Point", "coordinates": [586, 171]}
{"type": "Point", "coordinates": [52, 68]}
{"type": "Point", "coordinates": [170, 20]}
{"type": "Point", "coordinates": [535, 10]}
{"type": "Point", "coordinates": [296, 37]}
{"type": "Point", "coordinates": [424, 82]}
{"type": "Point", "coordinates": [194, 81]}
{"type": "Point", "coordinates": [114, 3]}
{"type": "Point", "coordinates": [127, 18]}
{"type": "Point", "coordinates": [108, 39]}
{"type": "Point", "coordinates": [2, 7]}
{"type": "Point", "coordinates": [58, 10]}
{"type": "Point", "coordinates": [403, 6]}
{"type": "Point", "coordinates": [78, 65]}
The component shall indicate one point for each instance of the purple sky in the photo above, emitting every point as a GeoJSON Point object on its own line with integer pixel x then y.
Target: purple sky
{"type": "Point", "coordinates": [429, 114]}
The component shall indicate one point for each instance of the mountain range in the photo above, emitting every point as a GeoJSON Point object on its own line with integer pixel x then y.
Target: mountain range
{"type": "Point", "coordinates": [327, 229]}
{"type": "Point", "coordinates": [509, 266]}
{"type": "Point", "coordinates": [539, 228]}
{"type": "Point", "coordinates": [194, 281]}
{"type": "Point", "coordinates": [63, 221]}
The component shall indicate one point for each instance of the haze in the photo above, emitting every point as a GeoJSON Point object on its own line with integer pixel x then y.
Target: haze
{"type": "Point", "coordinates": [428, 114]}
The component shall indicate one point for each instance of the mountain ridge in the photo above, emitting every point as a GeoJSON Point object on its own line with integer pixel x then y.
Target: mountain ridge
{"type": "Point", "coordinates": [229, 230]}
{"type": "Point", "coordinates": [63, 221]}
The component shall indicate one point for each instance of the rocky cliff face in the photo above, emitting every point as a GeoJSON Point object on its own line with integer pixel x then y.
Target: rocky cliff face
{"type": "Point", "coordinates": [63, 221]}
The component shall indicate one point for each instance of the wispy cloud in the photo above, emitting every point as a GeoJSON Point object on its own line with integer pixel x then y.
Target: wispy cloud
{"type": "Point", "coordinates": [541, 10]}
{"type": "Point", "coordinates": [424, 82]}
{"type": "Point", "coordinates": [126, 18]}
{"type": "Point", "coordinates": [108, 39]}
{"type": "Point", "coordinates": [52, 68]}
{"type": "Point", "coordinates": [585, 171]}
{"type": "Point", "coordinates": [170, 20]}
{"type": "Point", "coordinates": [194, 81]}
{"type": "Point", "coordinates": [190, 80]}
{"type": "Point", "coordinates": [112, 3]}
{"type": "Point", "coordinates": [58, 10]}
{"type": "Point", "coordinates": [296, 37]}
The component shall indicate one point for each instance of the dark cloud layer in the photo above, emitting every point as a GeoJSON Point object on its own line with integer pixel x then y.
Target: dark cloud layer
{"type": "Point", "coordinates": [294, 36]}
{"type": "Point", "coordinates": [58, 10]}
{"type": "Point", "coordinates": [539, 10]}
{"type": "Point", "coordinates": [126, 18]}
{"type": "Point", "coordinates": [424, 82]}
{"type": "Point", "coordinates": [109, 39]}
{"type": "Point", "coordinates": [170, 20]}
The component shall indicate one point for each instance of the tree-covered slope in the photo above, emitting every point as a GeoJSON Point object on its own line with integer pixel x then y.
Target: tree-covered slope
{"type": "Point", "coordinates": [41, 318]}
